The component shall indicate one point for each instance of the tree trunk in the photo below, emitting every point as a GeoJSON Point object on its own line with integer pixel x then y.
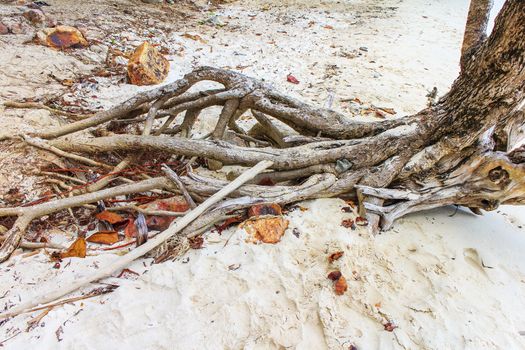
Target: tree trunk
{"type": "Point", "coordinates": [461, 151]}
{"type": "Point", "coordinates": [475, 29]}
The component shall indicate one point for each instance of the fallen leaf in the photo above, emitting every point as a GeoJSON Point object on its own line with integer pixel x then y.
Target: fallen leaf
{"type": "Point", "coordinates": [103, 237]}
{"type": "Point", "coordinates": [159, 223]}
{"type": "Point", "coordinates": [196, 242]}
{"type": "Point", "coordinates": [389, 326]}
{"type": "Point", "coordinates": [194, 37]}
{"type": "Point", "coordinates": [76, 250]}
{"type": "Point", "coordinates": [379, 114]}
{"type": "Point", "coordinates": [265, 209]}
{"type": "Point", "coordinates": [67, 82]}
{"type": "Point", "coordinates": [295, 207]}
{"type": "Point", "coordinates": [334, 275]}
{"type": "Point", "coordinates": [291, 79]}
{"type": "Point", "coordinates": [348, 223]}
{"type": "Point", "coordinates": [361, 221]}
{"type": "Point", "coordinates": [131, 230]}
{"type": "Point", "coordinates": [351, 203]}
{"type": "Point", "coordinates": [110, 217]}
{"type": "Point", "coordinates": [227, 223]}
{"type": "Point", "coordinates": [335, 256]}
{"type": "Point", "coordinates": [340, 286]}
{"type": "Point", "coordinates": [265, 229]}
{"type": "Point", "coordinates": [387, 110]}
{"type": "Point", "coordinates": [328, 27]}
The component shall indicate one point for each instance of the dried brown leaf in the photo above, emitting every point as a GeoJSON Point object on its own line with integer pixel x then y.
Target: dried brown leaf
{"type": "Point", "coordinates": [361, 221]}
{"type": "Point", "coordinates": [340, 286]}
{"type": "Point", "coordinates": [194, 37]}
{"type": "Point", "coordinates": [76, 250]}
{"type": "Point", "coordinates": [196, 242]}
{"type": "Point", "coordinates": [348, 223]}
{"type": "Point", "coordinates": [389, 326]}
{"type": "Point", "coordinates": [110, 217]}
{"type": "Point", "coordinates": [335, 256]}
{"type": "Point", "coordinates": [334, 275]}
{"type": "Point", "coordinates": [104, 237]}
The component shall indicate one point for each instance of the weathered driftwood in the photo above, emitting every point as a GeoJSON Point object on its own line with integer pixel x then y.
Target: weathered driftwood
{"type": "Point", "coordinates": [465, 149]}
{"type": "Point", "coordinates": [125, 260]}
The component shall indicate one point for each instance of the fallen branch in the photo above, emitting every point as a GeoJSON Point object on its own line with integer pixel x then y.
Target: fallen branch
{"type": "Point", "coordinates": [93, 293]}
{"type": "Point", "coordinates": [39, 143]}
{"type": "Point", "coordinates": [143, 249]}
{"type": "Point", "coordinates": [35, 105]}
{"type": "Point", "coordinates": [27, 214]}
{"type": "Point", "coordinates": [175, 178]}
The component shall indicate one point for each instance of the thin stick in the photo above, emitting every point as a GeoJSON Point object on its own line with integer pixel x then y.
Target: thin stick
{"type": "Point", "coordinates": [45, 146]}
{"type": "Point", "coordinates": [35, 105]}
{"type": "Point", "coordinates": [123, 261]}
{"type": "Point", "coordinates": [93, 293]}
{"type": "Point", "coordinates": [37, 245]}
{"type": "Point", "coordinates": [176, 179]}
{"type": "Point", "coordinates": [64, 177]}
{"type": "Point", "coordinates": [133, 207]}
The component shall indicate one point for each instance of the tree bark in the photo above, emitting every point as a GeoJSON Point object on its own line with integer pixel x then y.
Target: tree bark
{"type": "Point", "coordinates": [475, 29]}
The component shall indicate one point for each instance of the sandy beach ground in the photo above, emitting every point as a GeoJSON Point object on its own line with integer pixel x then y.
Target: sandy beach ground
{"type": "Point", "coordinates": [446, 279]}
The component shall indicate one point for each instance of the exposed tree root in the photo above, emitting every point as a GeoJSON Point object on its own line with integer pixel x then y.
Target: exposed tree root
{"type": "Point", "coordinates": [466, 149]}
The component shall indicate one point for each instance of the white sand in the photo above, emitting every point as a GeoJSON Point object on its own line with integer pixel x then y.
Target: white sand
{"type": "Point", "coordinates": [446, 282]}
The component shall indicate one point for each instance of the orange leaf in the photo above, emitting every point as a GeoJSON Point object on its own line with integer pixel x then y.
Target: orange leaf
{"type": "Point", "coordinates": [109, 216]}
{"type": "Point", "coordinates": [340, 286]}
{"type": "Point", "coordinates": [335, 256]}
{"type": "Point", "coordinates": [131, 229]}
{"type": "Point", "coordinates": [159, 222]}
{"type": "Point", "coordinates": [103, 237]}
{"type": "Point", "coordinates": [348, 223]}
{"type": "Point", "coordinates": [76, 250]}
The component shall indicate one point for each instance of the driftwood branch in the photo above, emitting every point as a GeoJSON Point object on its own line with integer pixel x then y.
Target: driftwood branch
{"type": "Point", "coordinates": [123, 261]}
